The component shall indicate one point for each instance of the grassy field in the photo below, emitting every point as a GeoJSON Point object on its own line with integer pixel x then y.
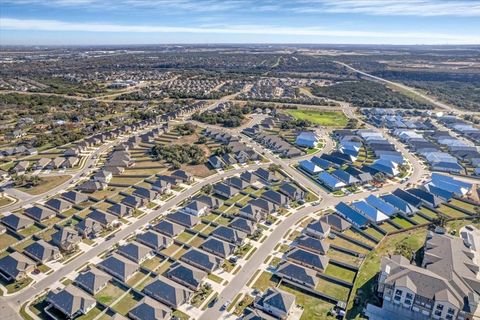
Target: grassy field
{"type": "Point", "coordinates": [365, 281]}
{"type": "Point", "coordinates": [46, 184]}
{"type": "Point", "coordinates": [453, 213]}
{"type": "Point", "coordinates": [265, 281]}
{"type": "Point", "coordinates": [323, 118]}
{"type": "Point", "coordinates": [109, 294]}
{"type": "Point", "coordinates": [332, 289]}
{"type": "Point", "coordinates": [314, 308]}
{"type": "Point", "coordinates": [464, 205]}
{"type": "Point", "coordinates": [5, 201]}
{"type": "Point", "coordinates": [340, 273]}
{"type": "Point", "coordinates": [6, 240]}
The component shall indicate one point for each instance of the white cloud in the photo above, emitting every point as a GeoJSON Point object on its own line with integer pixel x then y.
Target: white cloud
{"type": "Point", "coordinates": [460, 8]}
{"type": "Point", "coordinates": [315, 33]}
{"type": "Point", "coordinates": [392, 7]}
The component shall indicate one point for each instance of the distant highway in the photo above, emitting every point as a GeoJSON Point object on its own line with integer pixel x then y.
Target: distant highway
{"type": "Point", "coordinates": [409, 89]}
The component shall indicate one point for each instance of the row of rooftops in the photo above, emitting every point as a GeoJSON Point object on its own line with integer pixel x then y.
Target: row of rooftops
{"type": "Point", "coordinates": [376, 209]}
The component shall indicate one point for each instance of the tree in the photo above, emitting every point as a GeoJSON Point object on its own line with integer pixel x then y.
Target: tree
{"type": "Point", "coordinates": [440, 221]}
{"type": "Point", "coordinates": [274, 167]}
{"type": "Point", "coordinates": [208, 189]}
{"type": "Point", "coordinates": [379, 177]}
{"type": "Point", "coordinates": [202, 140]}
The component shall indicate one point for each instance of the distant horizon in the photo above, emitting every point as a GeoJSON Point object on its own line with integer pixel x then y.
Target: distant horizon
{"type": "Point", "coordinates": [219, 44]}
{"type": "Point", "coordinates": [131, 22]}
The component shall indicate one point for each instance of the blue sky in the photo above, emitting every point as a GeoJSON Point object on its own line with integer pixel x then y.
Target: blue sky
{"type": "Point", "coordinates": [71, 22]}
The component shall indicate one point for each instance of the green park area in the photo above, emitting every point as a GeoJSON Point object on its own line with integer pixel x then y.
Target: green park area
{"type": "Point", "coordinates": [323, 118]}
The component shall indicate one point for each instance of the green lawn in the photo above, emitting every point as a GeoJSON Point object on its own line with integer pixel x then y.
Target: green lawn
{"type": "Point", "coordinates": [109, 294]}
{"type": "Point", "coordinates": [46, 184]}
{"type": "Point", "coordinates": [340, 273]}
{"type": "Point", "coordinates": [402, 222]}
{"type": "Point", "coordinates": [374, 233]}
{"type": "Point", "coordinates": [464, 205]}
{"type": "Point", "coordinates": [332, 289]}
{"type": "Point", "coordinates": [343, 257]}
{"type": "Point", "coordinates": [453, 213]}
{"type": "Point", "coordinates": [15, 286]}
{"type": "Point", "coordinates": [5, 201]}
{"type": "Point", "coordinates": [265, 281]}
{"type": "Point", "coordinates": [215, 278]}
{"type": "Point", "coordinates": [429, 213]}
{"type": "Point", "coordinates": [323, 118]}
{"type": "Point", "coordinates": [419, 219]}
{"type": "Point", "coordinates": [314, 308]}
{"type": "Point", "coordinates": [127, 303]}
{"type": "Point", "coordinates": [6, 240]}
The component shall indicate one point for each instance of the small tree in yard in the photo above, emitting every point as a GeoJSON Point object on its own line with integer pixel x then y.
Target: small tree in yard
{"type": "Point", "coordinates": [207, 189]}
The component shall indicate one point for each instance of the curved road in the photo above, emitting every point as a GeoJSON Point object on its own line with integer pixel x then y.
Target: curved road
{"type": "Point", "coordinates": [328, 200]}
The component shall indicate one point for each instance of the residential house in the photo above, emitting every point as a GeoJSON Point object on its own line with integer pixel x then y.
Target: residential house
{"type": "Point", "coordinates": [276, 302]}
{"type": "Point", "coordinates": [74, 197]}
{"type": "Point", "coordinates": [120, 210]}
{"type": "Point", "coordinates": [298, 274]}
{"type": "Point", "coordinates": [119, 267]}
{"type": "Point", "coordinates": [230, 235]}
{"type": "Point", "coordinates": [243, 225]}
{"type": "Point", "coordinates": [224, 190]}
{"type": "Point", "coordinates": [184, 219]}
{"type": "Point", "coordinates": [188, 276]}
{"type": "Point", "coordinates": [15, 266]}
{"type": "Point", "coordinates": [196, 208]}
{"type": "Point", "coordinates": [308, 259]}
{"type": "Point", "coordinates": [58, 204]}
{"type": "Point", "coordinates": [38, 213]}
{"type": "Point", "coordinates": [275, 197]}
{"type": "Point", "coordinates": [252, 213]}
{"type": "Point", "coordinates": [105, 219]}
{"type": "Point", "coordinates": [318, 246]}
{"type": "Point", "coordinates": [201, 260]}
{"type": "Point", "coordinates": [91, 186]}
{"type": "Point", "coordinates": [136, 252]}
{"type": "Point", "coordinates": [41, 251]}
{"type": "Point", "coordinates": [443, 287]}
{"type": "Point", "coordinates": [149, 309]}
{"type": "Point", "coordinates": [317, 229]}
{"type": "Point", "coordinates": [71, 301]}
{"type": "Point", "coordinates": [169, 228]}
{"type": "Point", "coordinates": [307, 139]}
{"type": "Point", "coordinates": [218, 247]}
{"type": "Point", "coordinates": [145, 193]}
{"type": "Point", "coordinates": [102, 176]}
{"type": "Point", "coordinates": [154, 240]}
{"type": "Point", "coordinates": [168, 292]}
{"type": "Point", "coordinates": [92, 280]}
{"type": "Point", "coordinates": [89, 228]}
{"type": "Point", "coordinates": [211, 202]}
{"type": "Point", "coordinates": [292, 191]}
{"type": "Point", "coordinates": [66, 239]}
{"type": "Point", "coordinates": [182, 176]}
{"type": "Point", "coordinates": [16, 222]}
{"type": "Point", "coordinates": [336, 222]}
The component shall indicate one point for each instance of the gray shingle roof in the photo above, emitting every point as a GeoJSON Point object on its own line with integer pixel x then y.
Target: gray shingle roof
{"type": "Point", "coordinates": [70, 300]}
{"type": "Point", "coordinates": [168, 292]}
{"type": "Point", "coordinates": [186, 275]}
{"type": "Point", "coordinates": [15, 263]}
{"type": "Point", "coordinates": [92, 279]}
{"type": "Point", "coordinates": [39, 213]}
{"type": "Point", "coordinates": [149, 309]}
{"type": "Point", "coordinates": [42, 251]}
